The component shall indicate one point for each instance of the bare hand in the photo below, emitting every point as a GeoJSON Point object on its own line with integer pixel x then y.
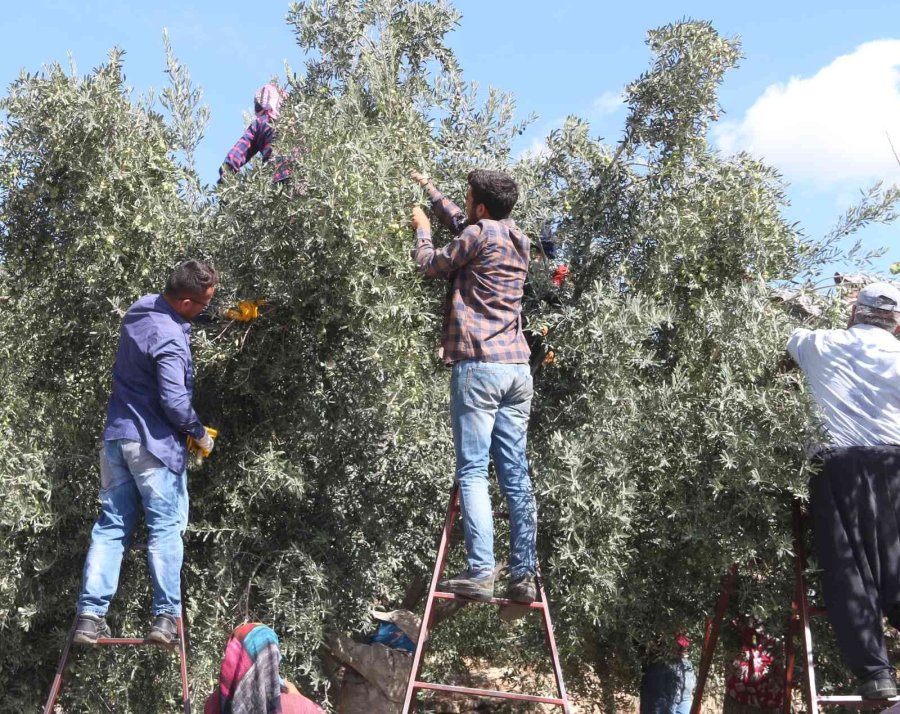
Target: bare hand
{"type": "Point", "coordinates": [418, 178]}
{"type": "Point", "coordinates": [419, 219]}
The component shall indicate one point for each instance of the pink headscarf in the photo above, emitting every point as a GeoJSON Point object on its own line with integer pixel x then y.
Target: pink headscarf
{"type": "Point", "coordinates": [269, 98]}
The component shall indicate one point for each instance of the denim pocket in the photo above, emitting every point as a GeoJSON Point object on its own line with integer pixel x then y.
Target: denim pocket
{"type": "Point", "coordinates": [138, 459]}
{"type": "Point", "coordinates": [523, 386]}
{"type": "Point", "coordinates": [484, 387]}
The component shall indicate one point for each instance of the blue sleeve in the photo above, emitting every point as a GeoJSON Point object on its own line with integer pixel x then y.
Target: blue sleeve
{"type": "Point", "coordinates": [171, 377]}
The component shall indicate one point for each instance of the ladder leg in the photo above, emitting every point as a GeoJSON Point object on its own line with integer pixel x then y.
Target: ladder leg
{"type": "Point", "coordinates": [711, 638]}
{"type": "Point", "coordinates": [56, 688]}
{"type": "Point", "coordinates": [409, 702]}
{"type": "Point", "coordinates": [184, 647]}
{"type": "Point", "coordinates": [790, 656]}
{"type": "Point", "coordinates": [551, 645]}
{"type": "Point", "coordinates": [803, 604]}
{"type": "Point", "coordinates": [182, 658]}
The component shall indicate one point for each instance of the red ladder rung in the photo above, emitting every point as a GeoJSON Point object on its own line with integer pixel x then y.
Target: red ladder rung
{"type": "Point", "coordinates": [856, 700]}
{"type": "Point", "coordinates": [536, 605]}
{"type": "Point", "coordinates": [132, 641]}
{"type": "Point", "coordinates": [472, 692]}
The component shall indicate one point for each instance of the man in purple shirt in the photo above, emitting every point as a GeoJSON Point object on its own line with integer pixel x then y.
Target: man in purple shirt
{"type": "Point", "coordinates": [490, 387]}
{"type": "Point", "coordinates": [143, 461]}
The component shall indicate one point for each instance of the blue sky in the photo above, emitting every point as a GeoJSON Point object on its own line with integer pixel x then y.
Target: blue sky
{"type": "Point", "coordinates": [815, 94]}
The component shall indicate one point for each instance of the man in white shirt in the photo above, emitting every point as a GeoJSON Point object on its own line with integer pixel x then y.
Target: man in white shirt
{"type": "Point", "coordinates": [854, 376]}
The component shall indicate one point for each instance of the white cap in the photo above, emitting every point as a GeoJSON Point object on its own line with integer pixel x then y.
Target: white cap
{"type": "Point", "coordinates": [881, 296]}
{"type": "Point", "coordinates": [407, 621]}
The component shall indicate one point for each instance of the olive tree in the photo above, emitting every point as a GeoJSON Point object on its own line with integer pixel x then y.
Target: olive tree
{"type": "Point", "coordinates": [666, 443]}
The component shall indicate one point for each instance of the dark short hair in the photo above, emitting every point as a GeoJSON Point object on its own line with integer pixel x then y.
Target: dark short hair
{"type": "Point", "coordinates": [496, 190]}
{"type": "Point", "coordinates": [192, 277]}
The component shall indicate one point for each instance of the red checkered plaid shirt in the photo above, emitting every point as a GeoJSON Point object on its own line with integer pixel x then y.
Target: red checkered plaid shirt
{"type": "Point", "coordinates": [487, 263]}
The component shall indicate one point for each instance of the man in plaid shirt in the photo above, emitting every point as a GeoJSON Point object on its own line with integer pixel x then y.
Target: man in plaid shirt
{"type": "Point", "coordinates": [490, 386]}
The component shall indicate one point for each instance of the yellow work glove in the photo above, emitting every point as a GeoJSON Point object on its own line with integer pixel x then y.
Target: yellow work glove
{"type": "Point", "coordinates": [203, 447]}
{"type": "Point", "coordinates": [245, 311]}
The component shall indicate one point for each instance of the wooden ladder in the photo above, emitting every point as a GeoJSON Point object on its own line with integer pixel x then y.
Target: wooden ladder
{"type": "Point", "coordinates": [415, 684]}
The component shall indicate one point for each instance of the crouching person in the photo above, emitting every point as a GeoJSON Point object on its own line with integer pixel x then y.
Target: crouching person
{"type": "Point", "coordinates": [854, 376]}
{"type": "Point", "coordinates": [249, 680]}
{"type": "Point", "coordinates": [143, 461]}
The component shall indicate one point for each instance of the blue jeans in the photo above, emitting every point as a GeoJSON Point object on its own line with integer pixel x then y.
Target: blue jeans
{"type": "Point", "coordinates": [489, 407]}
{"type": "Point", "coordinates": [668, 688]}
{"type": "Point", "coordinates": [131, 477]}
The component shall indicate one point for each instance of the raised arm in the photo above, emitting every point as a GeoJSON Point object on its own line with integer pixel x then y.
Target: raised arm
{"type": "Point", "coordinates": [256, 139]}
{"type": "Point", "coordinates": [447, 212]}
{"type": "Point", "coordinates": [443, 263]}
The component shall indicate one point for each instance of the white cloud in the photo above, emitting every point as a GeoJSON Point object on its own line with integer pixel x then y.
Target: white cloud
{"type": "Point", "coordinates": [831, 128]}
{"type": "Point", "coordinates": [605, 105]}
{"type": "Point", "coordinates": [608, 103]}
{"type": "Point", "coordinates": [537, 149]}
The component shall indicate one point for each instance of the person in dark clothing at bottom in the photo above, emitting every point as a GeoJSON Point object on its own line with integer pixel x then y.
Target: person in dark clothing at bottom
{"type": "Point", "coordinates": [667, 685]}
{"type": "Point", "coordinates": [854, 376]}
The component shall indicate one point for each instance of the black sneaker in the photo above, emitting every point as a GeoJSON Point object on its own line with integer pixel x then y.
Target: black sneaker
{"type": "Point", "coordinates": [164, 630]}
{"type": "Point", "coordinates": [89, 628]}
{"type": "Point", "coordinates": [882, 687]}
{"type": "Point", "coordinates": [465, 585]}
{"type": "Point", "coordinates": [522, 589]}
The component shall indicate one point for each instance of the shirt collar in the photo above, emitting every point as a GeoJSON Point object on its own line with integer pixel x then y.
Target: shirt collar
{"type": "Point", "coordinates": [873, 332]}
{"type": "Point", "coordinates": [162, 305]}
{"type": "Point", "coordinates": [868, 328]}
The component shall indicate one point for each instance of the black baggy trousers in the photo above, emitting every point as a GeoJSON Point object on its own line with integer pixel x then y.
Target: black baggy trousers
{"type": "Point", "coordinates": [855, 504]}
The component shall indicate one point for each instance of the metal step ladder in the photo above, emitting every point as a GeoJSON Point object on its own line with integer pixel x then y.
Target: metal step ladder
{"type": "Point", "coordinates": [798, 626]}
{"type": "Point", "coordinates": [415, 685]}
{"type": "Point", "coordinates": [179, 646]}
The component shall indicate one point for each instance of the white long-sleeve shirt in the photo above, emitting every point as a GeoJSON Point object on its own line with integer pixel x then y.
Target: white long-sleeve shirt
{"type": "Point", "coordinates": [854, 376]}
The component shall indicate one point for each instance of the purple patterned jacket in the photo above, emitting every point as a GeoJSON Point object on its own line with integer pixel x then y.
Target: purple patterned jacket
{"type": "Point", "coordinates": [258, 138]}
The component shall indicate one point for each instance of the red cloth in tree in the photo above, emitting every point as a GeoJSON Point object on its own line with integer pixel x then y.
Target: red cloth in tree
{"type": "Point", "coordinates": [756, 679]}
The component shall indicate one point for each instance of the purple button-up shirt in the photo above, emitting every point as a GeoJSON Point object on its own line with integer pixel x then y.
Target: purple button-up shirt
{"type": "Point", "coordinates": [153, 379]}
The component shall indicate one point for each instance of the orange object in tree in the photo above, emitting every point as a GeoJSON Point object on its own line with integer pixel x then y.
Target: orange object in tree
{"type": "Point", "coordinates": [194, 446]}
{"type": "Point", "coordinates": [246, 310]}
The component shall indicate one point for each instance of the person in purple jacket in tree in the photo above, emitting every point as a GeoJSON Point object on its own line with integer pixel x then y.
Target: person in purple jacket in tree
{"type": "Point", "coordinates": [260, 135]}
